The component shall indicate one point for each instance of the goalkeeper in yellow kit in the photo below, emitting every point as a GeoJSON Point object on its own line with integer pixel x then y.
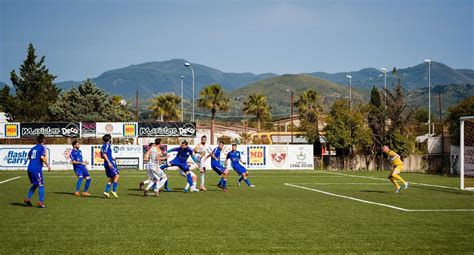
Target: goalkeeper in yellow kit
{"type": "Point", "coordinates": [397, 167]}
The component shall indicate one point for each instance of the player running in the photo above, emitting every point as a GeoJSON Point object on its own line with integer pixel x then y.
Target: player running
{"type": "Point", "coordinates": [235, 161]}
{"type": "Point", "coordinates": [37, 157]}
{"type": "Point", "coordinates": [146, 159]}
{"type": "Point", "coordinates": [80, 169]}
{"type": "Point", "coordinates": [111, 170]}
{"type": "Point", "coordinates": [158, 176]}
{"type": "Point", "coordinates": [397, 165]}
{"type": "Point", "coordinates": [217, 167]}
{"type": "Point", "coordinates": [183, 153]}
{"type": "Point", "coordinates": [201, 151]}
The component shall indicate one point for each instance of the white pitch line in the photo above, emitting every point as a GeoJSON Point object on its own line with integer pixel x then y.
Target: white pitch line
{"type": "Point", "coordinates": [350, 198]}
{"type": "Point", "coordinates": [382, 179]}
{"type": "Point", "coordinates": [441, 210]}
{"type": "Point", "coordinates": [11, 179]}
{"type": "Point", "coordinates": [341, 183]}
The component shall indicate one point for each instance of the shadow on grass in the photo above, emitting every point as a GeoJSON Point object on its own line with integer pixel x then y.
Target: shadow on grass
{"type": "Point", "coordinates": [374, 191]}
{"type": "Point", "coordinates": [72, 194]}
{"type": "Point", "coordinates": [19, 204]}
{"type": "Point", "coordinates": [452, 191]}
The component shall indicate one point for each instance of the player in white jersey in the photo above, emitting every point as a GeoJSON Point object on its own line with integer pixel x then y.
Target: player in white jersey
{"type": "Point", "coordinates": [202, 150]}
{"type": "Point", "coordinates": [146, 159]}
{"type": "Point", "coordinates": [158, 176]}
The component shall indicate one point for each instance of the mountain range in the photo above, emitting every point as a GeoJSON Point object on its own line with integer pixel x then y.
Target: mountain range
{"type": "Point", "coordinates": [153, 78]}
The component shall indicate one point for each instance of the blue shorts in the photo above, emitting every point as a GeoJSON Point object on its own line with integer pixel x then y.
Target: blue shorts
{"type": "Point", "coordinates": [111, 172]}
{"type": "Point", "coordinates": [219, 169]}
{"type": "Point", "coordinates": [81, 171]}
{"type": "Point", "coordinates": [36, 177]}
{"type": "Point", "coordinates": [239, 169]}
{"type": "Point", "coordinates": [183, 166]}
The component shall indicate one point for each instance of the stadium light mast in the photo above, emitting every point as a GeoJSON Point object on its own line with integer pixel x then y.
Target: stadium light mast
{"type": "Point", "coordinates": [350, 91]}
{"type": "Point", "coordinates": [429, 96]}
{"type": "Point", "coordinates": [182, 100]}
{"type": "Point", "coordinates": [192, 72]}
{"type": "Point", "coordinates": [384, 71]}
{"type": "Point", "coordinates": [291, 112]}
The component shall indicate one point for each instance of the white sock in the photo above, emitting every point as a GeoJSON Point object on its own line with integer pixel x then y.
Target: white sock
{"type": "Point", "coordinates": [187, 186]}
{"type": "Point", "coordinates": [201, 178]}
{"type": "Point", "coordinates": [148, 187]}
{"type": "Point", "coordinates": [146, 182]}
{"type": "Point", "coordinates": [194, 185]}
{"type": "Point", "coordinates": [161, 183]}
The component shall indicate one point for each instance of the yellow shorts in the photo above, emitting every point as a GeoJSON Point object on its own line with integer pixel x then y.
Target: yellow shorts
{"type": "Point", "coordinates": [397, 169]}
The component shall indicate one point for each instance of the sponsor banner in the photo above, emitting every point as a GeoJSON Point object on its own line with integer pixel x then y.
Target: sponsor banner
{"type": "Point", "coordinates": [133, 163]}
{"type": "Point", "coordinates": [117, 129]}
{"type": "Point", "coordinates": [32, 130]}
{"type": "Point", "coordinates": [87, 129]}
{"type": "Point", "coordinates": [256, 156]}
{"type": "Point", "coordinates": [284, 157]}
{"type": "Point", "coordinates": [175, 129]}
{"type": "Point", "coordinates": [9, 130]}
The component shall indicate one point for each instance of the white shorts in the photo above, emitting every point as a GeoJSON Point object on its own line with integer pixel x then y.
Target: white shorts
{"type": "Point", "coordinates": [154, 172]}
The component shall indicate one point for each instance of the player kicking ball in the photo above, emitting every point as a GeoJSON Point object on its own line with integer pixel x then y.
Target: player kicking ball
{"type": "Point", "coordinates": [80, 169]}
{"type": "Point", "coordinates": [236, 163]}
{"type": "Point", "coordinates": [111, 170]}
{"type": "Point", "coordinates": [183, 153]}
{"type": "Point", "coordinates": [201, 150]}
{"type": "Point", "coordinates": [37, 157]}
{"type": "Point", "coordinates": [217, 167]}
{"type": "Point", "coordinates": [397, 167]}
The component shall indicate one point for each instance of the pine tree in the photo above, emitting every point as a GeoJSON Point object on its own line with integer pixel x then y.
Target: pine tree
{"type": "Point", "coordinates": [35, 91]}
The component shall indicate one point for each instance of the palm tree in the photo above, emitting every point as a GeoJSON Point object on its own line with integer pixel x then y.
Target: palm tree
{"type": "Point", "coordinates": [310, 109]}
{"type": "Point", "coordinates": [213, 98]}
{"type": "Point", "coordinates": [257, 105]}
{"type": "Point", "coordinates": [165, 107]}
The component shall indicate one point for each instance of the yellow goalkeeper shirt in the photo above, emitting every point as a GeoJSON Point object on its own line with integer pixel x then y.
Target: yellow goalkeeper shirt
{"type": "Point", "coordinates": [394, 158]}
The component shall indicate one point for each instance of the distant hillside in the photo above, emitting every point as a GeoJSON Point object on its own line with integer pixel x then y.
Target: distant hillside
{"type": "Point", "coordinates": [451, 95]}
{"type": "Point", "coordinates": [279, 98]}
{"type": "Point", "coordinates": [161, 77]}
{"type": "Point", "coordinates": [412, 77]}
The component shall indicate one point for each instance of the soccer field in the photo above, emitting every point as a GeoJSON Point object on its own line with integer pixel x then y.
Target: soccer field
{"type": "Point", "coordinates": [287, 212]}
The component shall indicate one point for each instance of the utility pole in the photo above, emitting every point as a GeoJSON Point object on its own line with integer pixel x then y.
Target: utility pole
{"type": "Point", "coordinates": [136, 105]}
{"type": "Point", "coordinates": [440, 103]}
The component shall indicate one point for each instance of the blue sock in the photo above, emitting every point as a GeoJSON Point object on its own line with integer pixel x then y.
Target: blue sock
{"type": "Point", "coordinates": [153, 187]}
{"type": "Point", "coordinates": [240, 179]}
{"type": "Point", "coordinates": [220, 182]}
{"type": "Point", "coordinates": [32, 190]}
{"type": "Point", "coordinates": [247, 181]}
{"type": "Point", "coordinates": [166, 185]}
{"type": "Point", "coordinates": [88, 183]}
{"type": "Point", "coordinates": [224, 183]}
{"type": "Point", "coordinates": [107, 187]}
{"type": "Point", "coordinates": [114, 186]}
{"type": "Point", "coordinates": [78, 184]}
{"type": "Point", "coordinates": [164, 166]}
{"type": "Point", "coordinates": [41, 193]}
{"type": "Point", "coordinates": [190, 179]}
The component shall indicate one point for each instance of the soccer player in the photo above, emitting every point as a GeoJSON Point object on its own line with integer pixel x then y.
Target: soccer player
{"type": "Point", "coordinates": [37, 157]}
{"type": "Point", "coordinates": [183, 153]}
{"type": "Point", "coordinates": [217, 167]}
{"type": "Point", "coordinates": [397, 167]}
{"type": "Point", "coordinates": [201, 151]}
{"type": "Point", "coordinates": [146, 158]}
{"type": "Point", "coordinates": [80, 169]}
{"type": "Point", "coordinates": [236, 160]}
{"type": "Point", "coordinates": [158, 176]}
{"type": "Point", "coordinates": [111, 170]}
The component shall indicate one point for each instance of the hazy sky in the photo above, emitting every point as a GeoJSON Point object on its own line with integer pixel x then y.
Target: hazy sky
{"type": "Point", "coordinates": [85, 38]}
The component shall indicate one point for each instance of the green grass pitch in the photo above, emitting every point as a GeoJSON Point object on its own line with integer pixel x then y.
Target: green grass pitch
{"type": "Point", "coordinates": [321, 212]}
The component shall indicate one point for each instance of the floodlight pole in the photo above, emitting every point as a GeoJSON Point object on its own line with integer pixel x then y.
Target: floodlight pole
{"type": "Point", "coordinates": [429, 96]}
{"type": "Point", "coordinates": [182, 100]}
{"type": "Point", "coordinates": [192, 72]}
